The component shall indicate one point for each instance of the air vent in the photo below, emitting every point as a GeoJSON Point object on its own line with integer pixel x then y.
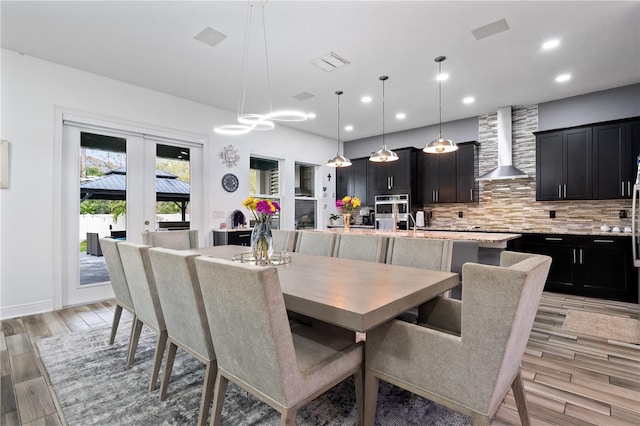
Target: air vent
{"type": "Point", "coordinates": [303, 96]}
{"type": "Point", "coordinates": [330, 62]}
{"type": "Point", "coordinates": [490, 29]}
{"type": "Point", "coordinates": [210, 37]}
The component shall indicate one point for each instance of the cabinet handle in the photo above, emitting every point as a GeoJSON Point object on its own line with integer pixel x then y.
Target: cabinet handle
{"type": "Point", "coordinates": [437, 196]}
{"type": "Point", "coordinates": [559, 191]}
{"type": "Point", "coordinates": [565, 191]}
{"type": "Point", "coordinates": [471, 194]}
{"type": "Point", "coordinates": [574, 255]}
{"type": "Point", "coordinates": [392, 182]}
{"type": "Point", "coordinates": [433, 196]}
{"type": "Point", "coordinates": [603, 241]}
{"type": "Point", "coordinates": [628, 188]}
{"type": "Point", "coordinates": [553, 238]}
{"type": "Point", "coordinates": [581, 256]}
{"type": "Point", "coordinates": [622, 183]}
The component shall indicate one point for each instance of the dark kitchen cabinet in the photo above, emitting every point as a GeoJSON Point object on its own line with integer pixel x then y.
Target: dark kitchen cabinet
{"type": "Point", "coordinates": [395, 177]}
{"type": "Point", "coordinates": [591, 266]}
{"type": "Point", "coordinates": [616, 148]}
{"type": "Point", "coordinates": [564, 165]}
{"type": "Point", "coordinates": [450, 177]}
{"type": "Point", "coordinates": [238, 237]}
{"type": "Point", "coordinates": [355, 181]}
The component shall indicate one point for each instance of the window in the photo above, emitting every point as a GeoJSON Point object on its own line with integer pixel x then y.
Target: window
{"type": "Point", "coordinates": [264, 182]}
{"type": "Point", "coordinates": [305, 201]}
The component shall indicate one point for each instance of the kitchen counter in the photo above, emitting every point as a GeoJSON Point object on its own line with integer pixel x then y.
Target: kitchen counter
{"type": "Point", "coordinates": [496, 240]}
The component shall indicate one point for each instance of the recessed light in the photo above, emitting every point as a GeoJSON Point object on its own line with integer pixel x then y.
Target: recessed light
{"type": "Point", "coordinates": [442, 77]}
{"type": "Point", "coordinates": [311, 115]}
{"type": "Point", "coordinates": [563, 77]}
{"type": "Point", "coordinates": [469, 100]}
{"type": "Point", "coordinates": [365, 99]}
{"type": "Point", "coordinates": [348, 127]}
{"type": "Point", "coordinates": [551, 44]}
{"type": "Point", "coordinates": [401, 116]}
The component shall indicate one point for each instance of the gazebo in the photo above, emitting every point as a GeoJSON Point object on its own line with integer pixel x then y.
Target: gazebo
{"type": "Point", "coordinates": [112, 186]}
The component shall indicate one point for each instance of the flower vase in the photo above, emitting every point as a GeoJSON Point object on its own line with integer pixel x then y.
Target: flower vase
{"type": "Point", "coordinates": [262, 243]}
{"type": "Point", "coordinates": [347, 221]}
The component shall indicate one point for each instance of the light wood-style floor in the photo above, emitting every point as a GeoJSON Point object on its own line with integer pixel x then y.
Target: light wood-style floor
{"type": "Point", "coordinates": [569, 379]}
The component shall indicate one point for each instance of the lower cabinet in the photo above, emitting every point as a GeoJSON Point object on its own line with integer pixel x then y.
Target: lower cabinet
{"type": "Point", "coordinates": [591, 266]}
{"type": "Point", "coordinates": [238, 237]}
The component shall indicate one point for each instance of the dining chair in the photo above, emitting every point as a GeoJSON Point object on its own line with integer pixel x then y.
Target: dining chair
{"type": "Point", "coordinates": [464, 354]}
{"type": "Point", "coordinates": [370, 248]}
{"type": "Point", "coordinates": [314, 242]}
{"type": "Point", "coordinates": [281, 365]}
{"type": "Point", "coordinates": [109, 247]}
{"type": "Point", "coordinates": [177, 240]}
{"type": "Point", "coordinates": [462, 251]}
{"type": "Point", "coordinates": [425, 253]}
{"type": "Point", "coordinates": [185, 318]}
{"type": "Point", "coordinates": [283, 240]}
{"type": "Point", "coordinates": [142, 285]}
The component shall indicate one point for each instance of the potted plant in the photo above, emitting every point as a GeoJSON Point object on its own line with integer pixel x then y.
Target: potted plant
{"type": "Point", "coordinates": [333, 217]}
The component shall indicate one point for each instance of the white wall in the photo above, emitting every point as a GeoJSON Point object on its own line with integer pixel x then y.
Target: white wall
{"type": "Point", "coordinates": [33, 90]}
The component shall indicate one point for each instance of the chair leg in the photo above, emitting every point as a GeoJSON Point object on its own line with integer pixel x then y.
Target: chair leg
{"type": "Point", "coordinates": [521, 401]}
{"type": "Point", "coordinates": [220, 392]}
{"type": "Point", "coordinates": [157, 359]}
{"type": "Point", "coordinates": [207, 391]}
{"type": "Point", "coordinates": [358, 378]}
{"type": "Point", "coordinates": [114, 326]}
{"type": "Point", "coordinates": [479, 420]}
{"type": "Point", "coordinates": [370, 397]}
{"type": "Point", "coordinates": [135, 336]}
{"type": "Point", "coordinates": [288, 417]}
{"type": "Point", "coordinates": [168, 367]}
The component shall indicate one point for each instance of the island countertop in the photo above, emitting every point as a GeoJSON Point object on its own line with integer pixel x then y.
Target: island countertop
{"type": "Point", "coordinates": [484, 239]}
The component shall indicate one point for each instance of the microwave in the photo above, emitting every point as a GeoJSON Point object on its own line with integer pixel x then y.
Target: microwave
{"type": "Point", "coordinates": [384, 209]}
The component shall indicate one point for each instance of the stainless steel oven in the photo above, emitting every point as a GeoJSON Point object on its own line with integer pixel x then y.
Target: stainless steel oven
{"type": "Point", "coordinates": [386, 206]}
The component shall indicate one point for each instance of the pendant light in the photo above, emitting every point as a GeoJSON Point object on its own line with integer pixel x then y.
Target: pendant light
{"type": "Point", "coordinates": [440, 145]}
{"type": "Point", "coordinates": [249, 122]}
{"type": "Point", "coordinates": [339, 160]}
{"type": "Point", "coordinates": [383, 155]}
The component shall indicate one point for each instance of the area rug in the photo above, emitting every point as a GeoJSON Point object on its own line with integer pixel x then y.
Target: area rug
{"type": "Point", "coordinates": [611, 327]}
{"type": "Point", "coordinates": [93, 386]}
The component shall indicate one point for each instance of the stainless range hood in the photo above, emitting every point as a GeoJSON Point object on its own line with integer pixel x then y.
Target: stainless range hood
{"type": "Point", "coordinates": [505, 169]}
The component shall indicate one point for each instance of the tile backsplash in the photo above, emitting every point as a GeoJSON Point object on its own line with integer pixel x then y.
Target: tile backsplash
{"type": "Point", "coordinates": [510, 205]}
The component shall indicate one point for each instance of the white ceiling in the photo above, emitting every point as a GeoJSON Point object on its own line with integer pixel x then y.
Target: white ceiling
{"type": "Point", "coordinates": [151, 44]}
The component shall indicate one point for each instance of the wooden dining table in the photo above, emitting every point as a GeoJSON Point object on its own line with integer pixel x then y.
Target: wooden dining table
{"type": "Point", "coordinates": [351, 294]}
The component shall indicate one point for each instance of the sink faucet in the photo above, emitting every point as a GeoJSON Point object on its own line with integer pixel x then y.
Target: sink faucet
{"type": "Point", "coordinates": [414, 223]}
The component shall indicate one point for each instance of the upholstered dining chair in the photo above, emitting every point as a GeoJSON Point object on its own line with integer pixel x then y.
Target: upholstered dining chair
{"type": "Point", "coordinates": [314, 242]}
{"type": "Point", "coordinates": [462, 251]}
{"type": "Point", "coordinates": [142, 285]}
{"type": "Point", "coordinates": [467, 353]}
{"type": "Point", "coordinates": [425, 253]}
{"type": "Point", "coordinates": [283, 366]}
{"type": "Point", "coordinates": [370, 248]}
{"type": "Point", "coordinates": [177, 240]}
{"type": "Point", "coordinates": [119, 283]}
{"type": "Point", "coordinates": [185, 317]}
{"type": "Point", "coordinates": [283, 240]}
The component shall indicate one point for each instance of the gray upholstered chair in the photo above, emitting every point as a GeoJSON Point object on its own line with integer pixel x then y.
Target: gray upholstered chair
{"type": "Point", "coordinates": [177, 240]}
{"type": "Point", "coordinates": [468, 353]}
{"type": "Point", "coordinates": [370, 248]}
{"type": "Point", "coordinates": [425, 253]}
{"type": "Point", "coordinates": [185, 317]}
{"type": "Point", "coordinates": [142, 285]}
{"type": "Point", "coordinates": [119, 283]}
{"type": "Point", "coordinates": [283, 240]}
{"type": "Point", "coordinates": [283, 366]}
{"type": "Point", "coordinates": [314, 242]}
{"type": "Point", "coordinates": [463, 251]}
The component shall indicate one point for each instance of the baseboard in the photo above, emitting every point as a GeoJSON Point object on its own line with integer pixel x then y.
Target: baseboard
{"type": "Point", "coordinates": [7, 312]}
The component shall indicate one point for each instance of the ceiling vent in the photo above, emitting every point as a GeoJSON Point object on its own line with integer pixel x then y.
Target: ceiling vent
{"type": "Point", "coordinates": [490, 29]}
{"type": "Point", "coordinates": [505, 169]}
{"type": "Point", "coordinates": [330, 62]}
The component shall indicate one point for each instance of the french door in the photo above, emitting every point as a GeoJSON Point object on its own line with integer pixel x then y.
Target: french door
{"type": "Point", "coordinates": [113, 185]}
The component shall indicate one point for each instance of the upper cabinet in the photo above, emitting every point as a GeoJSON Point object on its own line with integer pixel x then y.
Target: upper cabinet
{"type": "Point", "coordinates": [355, 181]}
{"type": "Point", "coordinates": [449, 177]}
{"type": "Point", "coordinates": [395, 177]}
{"type": "Point", "coordinates": [588, 162]}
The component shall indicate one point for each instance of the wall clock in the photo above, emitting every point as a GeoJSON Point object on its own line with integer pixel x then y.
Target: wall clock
{"type": "Point", "coordinates": [230, 182]}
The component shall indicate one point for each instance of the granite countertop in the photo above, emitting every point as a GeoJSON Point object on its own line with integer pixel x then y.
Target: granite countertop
{"type": "Point", "coordinates": [595, 232]}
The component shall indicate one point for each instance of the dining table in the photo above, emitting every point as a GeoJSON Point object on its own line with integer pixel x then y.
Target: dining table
{"type": "Point", "coordinates": [352, 294]}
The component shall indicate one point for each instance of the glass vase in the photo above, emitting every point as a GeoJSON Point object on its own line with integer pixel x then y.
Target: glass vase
{"type": "Point", "coordinates": [262, 243]}
{"type": "Point", "coordinates": [347, 221]}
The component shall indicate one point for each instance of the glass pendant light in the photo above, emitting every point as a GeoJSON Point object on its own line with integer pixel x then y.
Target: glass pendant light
{"type": "Point", "coordinates": [339, 160]}
{"type": "Point", "coordinates": [440, 145]}
{"type": "Point", "coordinates": [384, 155]}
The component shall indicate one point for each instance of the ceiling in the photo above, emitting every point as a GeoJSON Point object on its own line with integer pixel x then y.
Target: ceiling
{"type": "Point", "coordinates": [151, 44]}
